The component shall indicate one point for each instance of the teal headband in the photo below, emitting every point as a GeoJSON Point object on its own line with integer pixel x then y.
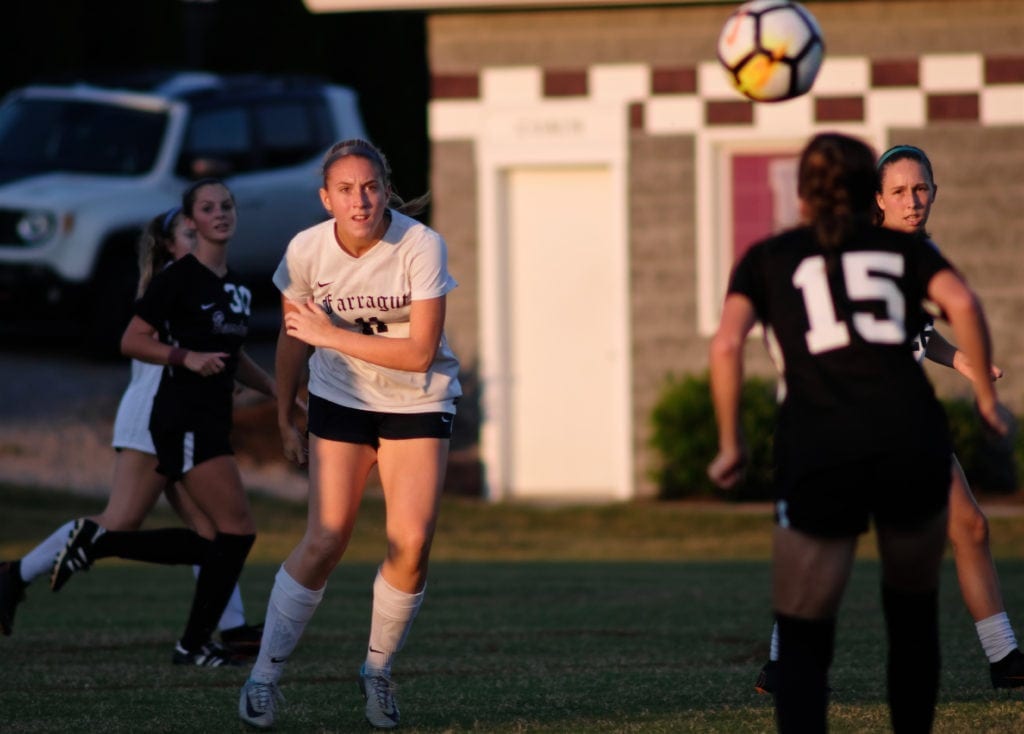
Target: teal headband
{"type": "Point", "coordinates": [911, 150]}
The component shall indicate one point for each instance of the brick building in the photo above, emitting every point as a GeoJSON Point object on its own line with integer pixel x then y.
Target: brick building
{"type": "Point", "coordinates": [595, 177]}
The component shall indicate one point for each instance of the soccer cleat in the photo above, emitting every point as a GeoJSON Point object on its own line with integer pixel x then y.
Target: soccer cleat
{"type": "Point", "coordinates": [75, 555]}
{"type": "Point", "coordinates": [209, 655]}
{"type": "Point", "coordinates": [243, 640]}
{"type": "Point", "coordinates": [767, 679]}
{"type": "Point", "coordinates": [257, 705]}
{"type": "Point", "coordinates": [379, 692]}
{"type": "Point", "coordinates": [12, 593]}
{"type": "Point", "coordinates": [1008, 672]}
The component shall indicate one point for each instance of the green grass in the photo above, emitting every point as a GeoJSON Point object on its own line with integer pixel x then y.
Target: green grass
{"type": "Point", "coordinates": [624, 618]}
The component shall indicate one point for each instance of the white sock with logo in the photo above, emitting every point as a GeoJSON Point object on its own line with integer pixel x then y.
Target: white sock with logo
{"type": "Point", "coordinates": [390, 622]}
{"type": "Point", "coordinates": [39, 560]}
{"type": "Point", "coordinates": [996, 636]}
{"type": "Point", "coordinates": [290, 608]}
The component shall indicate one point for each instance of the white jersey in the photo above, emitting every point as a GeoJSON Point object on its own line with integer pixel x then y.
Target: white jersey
{"type": "Point", "coordinates": [373, 294]}
{"type": "Point", "coordinates": [131, 426]}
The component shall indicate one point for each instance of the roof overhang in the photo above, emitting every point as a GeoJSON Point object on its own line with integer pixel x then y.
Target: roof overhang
{"type": "Point", "coordinates": [351, 6]}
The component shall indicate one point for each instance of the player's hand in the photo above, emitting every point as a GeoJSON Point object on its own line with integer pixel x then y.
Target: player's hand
{"type": "Point", "coordinates": [728, 468]}
{"type": "Point", "coordinates": [999, 421]}
{"type": "Point", "coordinates": [963, 365]}
{"type": "Point", "coordinates": [309, 323]}
{"type": "Point", "coordinates": [295, 445]}
{"type": "Point", "coordinates": [206, 363]}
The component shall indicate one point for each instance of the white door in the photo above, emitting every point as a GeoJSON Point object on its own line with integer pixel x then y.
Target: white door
{"type": "Point", "coordinates": [565, 306]}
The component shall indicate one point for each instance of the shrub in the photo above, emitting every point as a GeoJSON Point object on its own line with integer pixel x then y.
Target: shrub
{"type": "Point", "coordinates": [686, 439]}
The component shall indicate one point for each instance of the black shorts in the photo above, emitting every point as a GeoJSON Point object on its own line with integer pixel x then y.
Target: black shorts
{"type": "Point", "coordinates": [177, 451]}
{"type": "Point", "coordinates": [351, 425]}
{"type": "Point", "coordinates": [897, 490]}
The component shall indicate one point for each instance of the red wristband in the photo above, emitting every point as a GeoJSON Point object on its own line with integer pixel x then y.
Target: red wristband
{"type": "Point", "coordinates": [177, 357]}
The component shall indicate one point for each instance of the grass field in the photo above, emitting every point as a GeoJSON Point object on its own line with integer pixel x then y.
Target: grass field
{"type": "Point", "coordinates": [625, 618]}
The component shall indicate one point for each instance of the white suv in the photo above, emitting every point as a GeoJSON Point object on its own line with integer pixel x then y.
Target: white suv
{"type": "Point", "coordinates": [83, 167]}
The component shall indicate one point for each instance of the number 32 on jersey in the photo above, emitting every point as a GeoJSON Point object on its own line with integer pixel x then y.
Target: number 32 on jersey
{"type": "Point", "coordinates": [867, 276]}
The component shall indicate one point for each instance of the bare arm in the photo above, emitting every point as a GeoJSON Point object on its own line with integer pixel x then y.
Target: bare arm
{"type": "Point", "coordinates": [964, 313]}
{"type": "Point", "coordinates": [414, 353]}
{"type": "Point", "coordinates": [140, 341]}
{"type": "Point", "coordinates": [726, 363]}
{"type": "Point", "coordinates": [252, 375]}
{"type": "Point", "coordinates": [289, 368]}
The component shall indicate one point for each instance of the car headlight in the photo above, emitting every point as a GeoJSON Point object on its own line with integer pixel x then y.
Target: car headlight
{"type": "Point", "coordinates": [36, 226]}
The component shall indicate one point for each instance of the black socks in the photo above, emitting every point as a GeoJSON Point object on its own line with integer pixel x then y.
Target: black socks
{"type": "Point", "coordinates": [912, 621]}
{"type": "Point", "coordinates": [166, 545]}
{"type": "Point", "coordinates": [217, 578]}
{"type": "Point", "coordinates": [805, 654]}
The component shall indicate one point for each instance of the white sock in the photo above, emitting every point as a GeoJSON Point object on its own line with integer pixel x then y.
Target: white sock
{"type": "Point", "coordinates": [390, 622]}
{"type": "Point", "coordinates": [234, 612]}
{"type": "Point", "coordinates": [39, 560]}
{"type": "Point", "coordinates": [773, 650]}
{"type": "Point", "coordinates": [996, 636]}
{"type": "Point", "coordinates": [290, 608]}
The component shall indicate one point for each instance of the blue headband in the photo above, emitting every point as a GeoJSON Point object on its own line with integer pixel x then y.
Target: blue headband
{"type": "Point", "coordinates": [911, 150]}
{"type": "Point", "coordinates": [174, 211]}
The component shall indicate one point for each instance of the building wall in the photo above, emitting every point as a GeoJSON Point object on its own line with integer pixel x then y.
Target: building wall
{"type": "Point", "coordinates": [973, 128]}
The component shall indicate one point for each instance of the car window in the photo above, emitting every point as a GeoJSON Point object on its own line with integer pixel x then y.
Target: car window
{"type": "Point", "coordinates": [221, 135]}
{"type": "Point", "coordinates": [289, 131]}
{"type": "Point", "coordinates": [84, 137]}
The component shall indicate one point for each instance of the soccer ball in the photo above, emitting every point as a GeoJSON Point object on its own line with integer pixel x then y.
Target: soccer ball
{"type": "Point", "coordinates": [771, 49]}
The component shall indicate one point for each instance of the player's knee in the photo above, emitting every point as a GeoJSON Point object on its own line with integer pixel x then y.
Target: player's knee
{"type": "Point", "coordinates": [969, 529]}
{"type": "Point", "coordinates": [326, 546]}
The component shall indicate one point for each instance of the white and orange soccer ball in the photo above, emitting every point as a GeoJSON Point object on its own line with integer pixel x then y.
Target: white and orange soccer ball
{"type": "Point", "coordinates": [771, 49]}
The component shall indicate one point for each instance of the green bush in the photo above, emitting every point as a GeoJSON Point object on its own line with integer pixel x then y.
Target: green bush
{"type": "Point", "coordinates": [686, 439]}
{"type": "Point", "coordinates": [990, 466]}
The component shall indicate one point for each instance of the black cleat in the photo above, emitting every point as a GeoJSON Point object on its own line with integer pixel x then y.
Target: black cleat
{"type": "Point", "coordinates": [1008, 672]}
{"type": "Point", "coordinates": [243, 640]}
{"type": "Point", "coordinates": [767, 680]}
{"type": "Point", "coordinates": [76, 554]}
{"type": "Point", "coordinates": [12, 593]}
{"type": "Point", "coordinates": [209, 655]}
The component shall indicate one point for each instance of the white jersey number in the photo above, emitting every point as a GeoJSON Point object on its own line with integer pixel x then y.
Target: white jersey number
{"type": "Point", "coordinates": [868, 277]}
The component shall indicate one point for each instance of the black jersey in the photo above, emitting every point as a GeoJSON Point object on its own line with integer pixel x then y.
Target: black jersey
{"type": "Point", "coordinates": [843, 324]}
{"type": "Point", "coordinates": [193, 308]}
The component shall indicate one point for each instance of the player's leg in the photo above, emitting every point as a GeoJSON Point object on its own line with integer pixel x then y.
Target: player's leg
{"type": "Point", "coordinates": [809, 575]}
{"type": "Point", "coordinates": [337, 478]}
{"type": "Point", "coordinates": [412, 476]}
{"type": "Point", "coordinates": [910, 579]}
{"type": "Point", "coordinates": [979, 583]}
{"type": "Point", "coordinates": [215, 485]}
{"type": "Point", "coordinates": [134, 490]}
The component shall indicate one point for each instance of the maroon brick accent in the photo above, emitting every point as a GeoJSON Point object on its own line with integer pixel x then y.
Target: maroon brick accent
{"type": "Point", "coordinates": [728, 113]}
{"type": "Point", "coordinates": [565, 83]}
{"type": "Point", "coordinates": [454, 86]}
{"type": "Point", "coordinates": [1004, 69]}
{"type": "Point", "coordinates": [838, 109]}
{"type": "Point", "coordinates": [674, 81]}
{"type": "Point", "coordinates": [953, 107]}
{"type": "Point", "coordinates": [900, 73]}
{"type": "Point", "coordinates": [636, 116]}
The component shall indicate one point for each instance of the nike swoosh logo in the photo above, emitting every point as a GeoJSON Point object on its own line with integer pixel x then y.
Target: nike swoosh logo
{"type": "Point", "coordinates": [279, 660]}
{"type": "Point", "coordinates": [445, 419]}
{"type": "Point", "coordinates": [208, 306]}
{"type": "Point", "coordinates": [323, 285]}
